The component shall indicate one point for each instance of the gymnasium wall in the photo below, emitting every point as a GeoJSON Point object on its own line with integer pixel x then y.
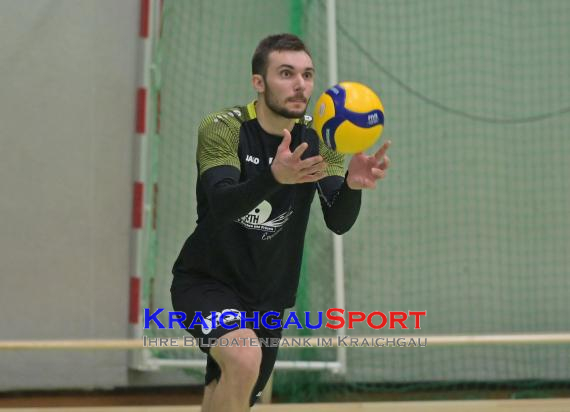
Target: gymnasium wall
{"type": "Point", "coordinates": [67, 87]}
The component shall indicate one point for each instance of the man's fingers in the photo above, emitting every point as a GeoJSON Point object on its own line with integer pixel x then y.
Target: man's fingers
{"type": "Point", "coordinates": [379, 155]}
{"type": "Point", "coordinates": [384, 163]}
{"type": "Point", "coordinates": [316, 168]}
{"type": "Point", "coordinates": [378, 173]}
{"type": "Point", "coordinates": [286, 141]}
{"type": "Point", "coordinates": [312, 177]}
{"type": "Point", "coordinates": [311, 161]}
{"type": "Point", "coordinates": [299, 151]}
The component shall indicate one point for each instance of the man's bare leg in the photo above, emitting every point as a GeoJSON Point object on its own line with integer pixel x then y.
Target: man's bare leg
{"type": "Point", "coordinates": [208, 393]}
{"type": "Point", "coordinates": [240, 370]}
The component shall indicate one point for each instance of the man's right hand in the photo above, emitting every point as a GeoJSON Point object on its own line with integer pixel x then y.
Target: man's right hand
{"type": "Point", "coordinates": [288, 168]}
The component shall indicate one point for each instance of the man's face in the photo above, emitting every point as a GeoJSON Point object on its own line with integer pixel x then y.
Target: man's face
{"type": "Point", "coordinates": [288, 83]}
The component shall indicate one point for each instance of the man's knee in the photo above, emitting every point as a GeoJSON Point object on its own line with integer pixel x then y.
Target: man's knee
{"type": "Point", "coordinates": [241, 361]}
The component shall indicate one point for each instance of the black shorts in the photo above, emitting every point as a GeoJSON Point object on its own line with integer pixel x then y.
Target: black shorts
{"type": "Point", "coordinates": [200, 293]}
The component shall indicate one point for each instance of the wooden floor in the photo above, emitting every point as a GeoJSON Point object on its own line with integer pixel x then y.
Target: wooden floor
{"type": "Point", "coordinates": [525, 405]}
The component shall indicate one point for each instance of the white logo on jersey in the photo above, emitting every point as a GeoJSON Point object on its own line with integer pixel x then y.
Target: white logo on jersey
{"type": "Point", "coordinates": [259, 215]}
{"type": "Point", "coordinates": [252, 159]}
{"type": "Point", "coordinates": [270, 160]}
{"type": "Point", "coordinates": [257, 219]}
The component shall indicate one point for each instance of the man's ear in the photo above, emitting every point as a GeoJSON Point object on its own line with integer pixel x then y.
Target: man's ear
{"type": "Point", "coordinates": [258, 83]}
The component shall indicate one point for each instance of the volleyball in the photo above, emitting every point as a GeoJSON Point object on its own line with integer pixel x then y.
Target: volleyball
{"type": "Point", "coordinates": [349, 117]}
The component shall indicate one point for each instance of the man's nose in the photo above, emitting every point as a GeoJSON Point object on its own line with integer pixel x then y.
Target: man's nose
{"type": "Point", "coordinates": [299, 83]}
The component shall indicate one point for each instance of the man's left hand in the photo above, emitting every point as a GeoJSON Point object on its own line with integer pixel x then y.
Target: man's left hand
{"type": "Point", "coordinates": [364, 170]}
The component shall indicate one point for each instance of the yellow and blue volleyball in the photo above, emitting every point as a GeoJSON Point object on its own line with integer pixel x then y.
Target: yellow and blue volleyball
{"type": "Point", "coordinates": [349, 117]}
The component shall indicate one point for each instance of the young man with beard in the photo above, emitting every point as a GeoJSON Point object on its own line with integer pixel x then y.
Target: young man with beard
{"type": "Point", "coordinates": [259, 167]}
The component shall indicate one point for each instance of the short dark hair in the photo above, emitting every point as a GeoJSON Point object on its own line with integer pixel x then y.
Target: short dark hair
{"type": "Point", "coordinates": [275, 42]}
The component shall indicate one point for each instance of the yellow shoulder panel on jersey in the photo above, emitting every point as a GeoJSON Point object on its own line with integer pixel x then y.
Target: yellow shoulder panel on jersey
{"type": "Point", "coordinates": [218, 138]}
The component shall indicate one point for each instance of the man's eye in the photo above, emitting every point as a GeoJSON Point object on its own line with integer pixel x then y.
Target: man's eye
{"type": "Point", "coordinates": [285, 73]}
{"type": "Point", "coordinates": [308, 75]}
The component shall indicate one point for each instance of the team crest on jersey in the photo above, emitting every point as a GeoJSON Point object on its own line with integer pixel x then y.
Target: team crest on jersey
{"type": "Point", "coordinates": [258, 219]}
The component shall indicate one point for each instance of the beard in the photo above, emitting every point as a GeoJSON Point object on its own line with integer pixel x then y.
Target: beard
{"type": "Point", "coordinates": [273, 104]}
